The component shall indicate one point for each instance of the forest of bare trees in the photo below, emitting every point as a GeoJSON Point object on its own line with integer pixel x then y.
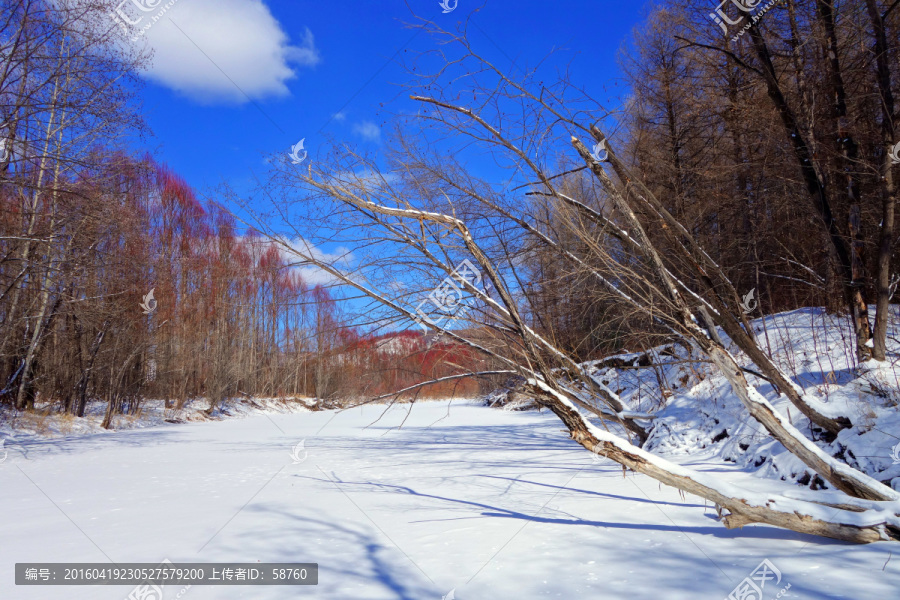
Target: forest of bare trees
{"type": "Point", "coordinates": [758, 164]}
{"type": "Point", "coordinates": [752, 166]}
{"type": "Point", "coordinates": [773, 151]}
{"type": "Point", "coordinates": [88, 231]}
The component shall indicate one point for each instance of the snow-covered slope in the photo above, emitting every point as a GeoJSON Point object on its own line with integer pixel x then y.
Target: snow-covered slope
{"type": "Point", "coordinates": [698, 411]}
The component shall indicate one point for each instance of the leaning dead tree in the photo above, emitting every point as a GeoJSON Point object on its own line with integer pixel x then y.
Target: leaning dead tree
{"type": "Point", "coordinates": [562, 191]}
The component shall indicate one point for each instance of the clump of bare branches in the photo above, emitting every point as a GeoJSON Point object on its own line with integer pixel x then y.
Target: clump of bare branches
{"type": "Point", "coordinates": [559, 201]}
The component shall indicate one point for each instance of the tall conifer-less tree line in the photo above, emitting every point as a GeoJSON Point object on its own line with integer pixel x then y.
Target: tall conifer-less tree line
{"type": "Point", "coordinates": [774, 150]}
{"type": "Point", "coordinates": [87, 231]}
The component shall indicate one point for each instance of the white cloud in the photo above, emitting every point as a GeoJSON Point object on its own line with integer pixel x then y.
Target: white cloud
{"type": "Point", "coordinates": [207, 49]}
{"type": "Point", "coordinates": [368, 131]}
{"type": "Point", "coordinates": [364, 180]}
{"type": "Point", "coordinates": [398, 286]}
{"type": "Point", "coordinates": [314, 276]}
{"type": "Point", "coordinates": [339, 116]}
{"type": "Point", "coordinates": [339, 258]}
{"type": "Point", "coordinates": [292, 251]}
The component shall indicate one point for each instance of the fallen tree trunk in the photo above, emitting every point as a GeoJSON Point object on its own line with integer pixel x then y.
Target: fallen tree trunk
{"type": "Point", "coordinates": [542, 363]}
{"type": "Point", "coordinates": [738, 329]}
{"type": "Point", "coordinates": [855, 521]}
{"type": "Point", "coordinates": [842, 476]}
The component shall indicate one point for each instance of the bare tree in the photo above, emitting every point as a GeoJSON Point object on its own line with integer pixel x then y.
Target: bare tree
{"type": "Point", "coordinates": [429, 212]}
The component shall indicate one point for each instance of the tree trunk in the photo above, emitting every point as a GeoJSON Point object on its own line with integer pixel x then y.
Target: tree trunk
{"type": "Point", "coordinates": [849, 480]}
{"type": "Point", "coordinates": [846, 168]}
{"type": "Point", "coordinates": [888, 191]}
{"type": "Point", "coordinates": [839, 250]}
{"type": "Point", "coordinates": [737, 331]}
{"type": "Point", "coordinates": [842, 522]}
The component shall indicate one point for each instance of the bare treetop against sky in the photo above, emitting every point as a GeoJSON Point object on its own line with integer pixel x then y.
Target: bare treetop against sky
{"type": "Point", "coordinates": [235, 80]}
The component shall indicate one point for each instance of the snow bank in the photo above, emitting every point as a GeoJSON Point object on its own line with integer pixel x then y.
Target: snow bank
{"type": "Point", "coordinates": [19, 425]}
{"type": "Point", "coordinates": [697, 413]}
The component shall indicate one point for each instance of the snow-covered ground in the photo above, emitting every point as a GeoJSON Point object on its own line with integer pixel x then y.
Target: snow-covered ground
{"type": "Point", "coordinates": [46, 421]}
{"type": "Point", "coordinates": [491, 503]}
{"type": "Point", "coordinates": [696, 408]}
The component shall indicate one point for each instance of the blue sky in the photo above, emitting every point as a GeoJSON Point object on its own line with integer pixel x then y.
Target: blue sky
{"type": "Point", "coordinates": [235, 80]}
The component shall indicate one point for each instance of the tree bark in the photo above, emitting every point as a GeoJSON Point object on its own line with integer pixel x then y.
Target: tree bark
{"type": "Point", "coordinates": [817, 189]}
{"type": "Point", "coordinates": [888, 191]}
